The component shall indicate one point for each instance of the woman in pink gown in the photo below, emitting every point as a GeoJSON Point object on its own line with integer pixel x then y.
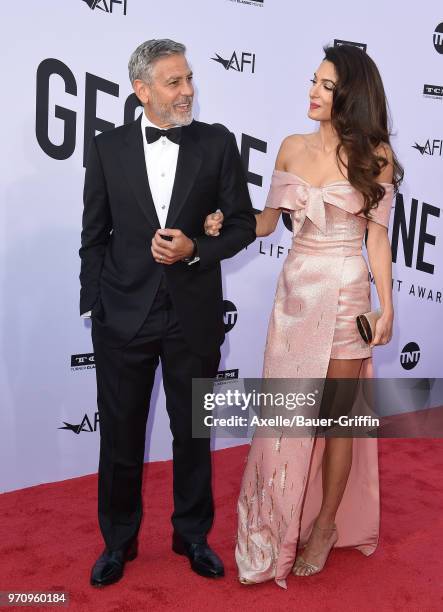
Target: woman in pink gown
{"type": "Point", "coordinates": [313, 494]}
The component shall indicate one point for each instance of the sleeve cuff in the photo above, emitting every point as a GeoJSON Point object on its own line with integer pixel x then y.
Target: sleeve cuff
{"type": "Point", "coordinates": [193, 261]}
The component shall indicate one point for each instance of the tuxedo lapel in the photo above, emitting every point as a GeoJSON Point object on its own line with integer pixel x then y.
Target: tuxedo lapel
{"type": "Point", "coordinates": [188, 165]}
{"type": "Point", "coordinates": [133, 160]}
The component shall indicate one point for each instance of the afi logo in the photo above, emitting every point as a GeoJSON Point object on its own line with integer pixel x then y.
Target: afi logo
{"type": "Point", "coordinates": [229, 315]}
{"type": "Point", "coordinates": [410, 355]}
{"type": "Point", "coordinates": [241, 62]}
{"type": "Point", "coordinates": [438, 38]}
{"type": "Point", "coordinates": [106, 6]}
{"type": "Point", "coordinates": [85, 425]}
{"type": "Point", "coordinates": [339, 43]}
{"type": "Point", "coordinates": [431, 147]}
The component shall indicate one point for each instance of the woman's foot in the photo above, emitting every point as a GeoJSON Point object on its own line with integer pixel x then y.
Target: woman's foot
{"type": "Point", "coordinates": [245, 581]}
{"type": "Point", "coordinates": [319, 545]}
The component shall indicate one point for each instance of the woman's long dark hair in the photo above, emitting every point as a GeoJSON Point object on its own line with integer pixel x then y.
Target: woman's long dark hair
{"type": "Point", "coordinates": [360, 118]}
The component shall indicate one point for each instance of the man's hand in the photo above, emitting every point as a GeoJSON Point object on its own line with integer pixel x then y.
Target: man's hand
{"type": "Point", "coordinates": [214, 223]}
{"type": "Point", "coordinates": [169, 251]}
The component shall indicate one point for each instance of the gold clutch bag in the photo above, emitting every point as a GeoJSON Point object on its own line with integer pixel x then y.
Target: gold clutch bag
{"type": "Point", "coordinates": [366, 324]}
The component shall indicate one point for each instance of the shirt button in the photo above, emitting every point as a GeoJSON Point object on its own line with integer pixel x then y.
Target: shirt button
{"type": "Point", "coordinates": [163, 207]}
{"type": "Point", "coordinates": [162, 174]}
{"type": "Point", "coordinates": [163, 140]}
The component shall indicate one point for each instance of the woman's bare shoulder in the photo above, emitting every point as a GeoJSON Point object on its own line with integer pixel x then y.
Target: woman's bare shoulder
{"type": "Point", "coordinates": [297, 140]}
{"type": "Point", "coordinates": [290, 146]}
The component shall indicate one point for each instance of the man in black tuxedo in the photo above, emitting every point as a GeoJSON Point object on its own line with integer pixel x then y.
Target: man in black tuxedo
{"type": "Point", "coordinates": [155, 294]}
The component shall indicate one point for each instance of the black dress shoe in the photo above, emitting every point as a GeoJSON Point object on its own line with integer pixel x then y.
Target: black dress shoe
{"type": "Point", "coordinates": [203, 559]}
{"type": "Point", "coordinates": [109, 566]}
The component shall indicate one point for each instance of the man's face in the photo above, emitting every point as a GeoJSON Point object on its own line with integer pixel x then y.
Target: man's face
{"type": "Point", "coordinates": [168, 97]}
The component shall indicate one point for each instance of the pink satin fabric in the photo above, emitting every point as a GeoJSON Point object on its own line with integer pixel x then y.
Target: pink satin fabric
{"type": "Point", "coordinates": [323, 286]}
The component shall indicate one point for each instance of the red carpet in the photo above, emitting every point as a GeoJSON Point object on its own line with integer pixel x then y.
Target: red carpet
{"type": "Point", "coordinates": [50, 539]}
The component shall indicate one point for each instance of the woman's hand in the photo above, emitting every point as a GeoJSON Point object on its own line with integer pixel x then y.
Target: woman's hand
{"type": "Point", "coordinates": [383, 329]}
{"type": "Point", "coordinates": [214, 223]}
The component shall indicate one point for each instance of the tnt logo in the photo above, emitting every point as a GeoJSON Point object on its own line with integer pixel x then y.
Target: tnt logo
{"type": "Point", "coordinates": [438, 38]}
{"type": "Point", "coordinates": [241, 62]}
{"type": "Point", "coordinates": [107, 6]}
{"type": "Point", "coordinates": [410, 355]}
{"type": "Point", "coordinates": [229, 315]}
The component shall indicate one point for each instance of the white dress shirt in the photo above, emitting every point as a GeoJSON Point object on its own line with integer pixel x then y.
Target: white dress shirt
{"type": "Point", "coordinates": [161, 163]}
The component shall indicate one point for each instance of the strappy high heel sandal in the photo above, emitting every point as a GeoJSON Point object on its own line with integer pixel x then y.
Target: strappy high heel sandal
{"type": "Point", "coordinates": [303, 568]}
{"type": "Point", "coordinates": [246, 581]}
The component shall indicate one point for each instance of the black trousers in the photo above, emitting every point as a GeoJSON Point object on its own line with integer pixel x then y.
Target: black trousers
{"type": "Point", "coordinates": [125, 378]}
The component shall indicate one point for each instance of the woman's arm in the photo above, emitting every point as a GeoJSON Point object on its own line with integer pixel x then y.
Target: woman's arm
{"type": "Point", "coordinates": [268, 219]}
{"type": "Point", "coordinates": [380, 262]}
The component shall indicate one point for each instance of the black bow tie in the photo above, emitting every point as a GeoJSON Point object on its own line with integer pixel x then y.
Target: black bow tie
{"type": "Point", "coordinates": [153, 134]}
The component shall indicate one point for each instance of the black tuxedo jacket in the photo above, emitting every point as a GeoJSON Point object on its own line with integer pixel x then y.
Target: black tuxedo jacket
{"type": "Point", "coordinates": [119, 277]}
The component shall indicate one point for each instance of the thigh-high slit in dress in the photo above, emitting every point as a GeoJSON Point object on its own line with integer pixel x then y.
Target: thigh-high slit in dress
{"type": "Point", "coordinates": [323, 286]}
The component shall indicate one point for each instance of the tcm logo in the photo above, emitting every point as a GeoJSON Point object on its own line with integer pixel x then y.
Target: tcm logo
{"type": "Point", "coordinates": [433, 91]}
{"type": "Point", "coordinates": [227, 374]}
{"type": "Point", "coordinates": [339, 43]}
{"type": "Point", "coordinates": [250, 2]}
{"type": "Point", "coordinates": [438, 38]}
{"type": "Point", "coordinates": [87, 424]}
{"type": "Point", "coordinates": [230, 315]}
{"type": "Point", "coordinates": [410, 355]}
{"type": "Point", "coordinates": [108, 6]}
{"type": "Point", "coordinates": [431, 147]}
{"type": "Point", "coordinates": [83, 362]}
{"type": "Point", "coordinates": [240, 62]}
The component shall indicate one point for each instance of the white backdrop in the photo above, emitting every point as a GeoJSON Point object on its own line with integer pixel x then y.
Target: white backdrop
{"type": "Point", "coordinates": [262, 94]}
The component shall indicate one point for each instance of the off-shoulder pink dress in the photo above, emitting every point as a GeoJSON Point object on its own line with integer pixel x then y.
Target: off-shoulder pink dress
{"type": "Point", "coordinates": [323, 286]}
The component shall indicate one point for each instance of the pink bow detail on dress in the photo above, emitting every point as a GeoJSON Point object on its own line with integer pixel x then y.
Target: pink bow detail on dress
{"type": "Point", "coordinates": [294, 195]}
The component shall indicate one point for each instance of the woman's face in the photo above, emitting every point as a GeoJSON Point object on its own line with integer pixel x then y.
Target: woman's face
{"type": "Point", "coordinates": [321, 92]}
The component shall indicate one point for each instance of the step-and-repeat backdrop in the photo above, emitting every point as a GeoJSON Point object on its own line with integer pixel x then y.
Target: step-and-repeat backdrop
{"type": "Point", "coordinates": [64, 76]}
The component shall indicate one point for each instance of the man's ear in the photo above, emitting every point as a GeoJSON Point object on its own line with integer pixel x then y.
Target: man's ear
{"type": "Point", "coordinates": [141, 90]}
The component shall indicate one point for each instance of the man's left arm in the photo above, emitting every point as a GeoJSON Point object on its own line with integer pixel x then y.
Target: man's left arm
{"type": "Point", "coordinates": [235, 203]}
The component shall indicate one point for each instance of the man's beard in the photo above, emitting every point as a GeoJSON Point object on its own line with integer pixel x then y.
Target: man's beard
{"type": "Point", "coordinates": [168, 115]}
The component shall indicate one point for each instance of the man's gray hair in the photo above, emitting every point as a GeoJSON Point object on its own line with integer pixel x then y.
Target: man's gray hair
{"type": "Point", "coordinates": [142, 60]}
